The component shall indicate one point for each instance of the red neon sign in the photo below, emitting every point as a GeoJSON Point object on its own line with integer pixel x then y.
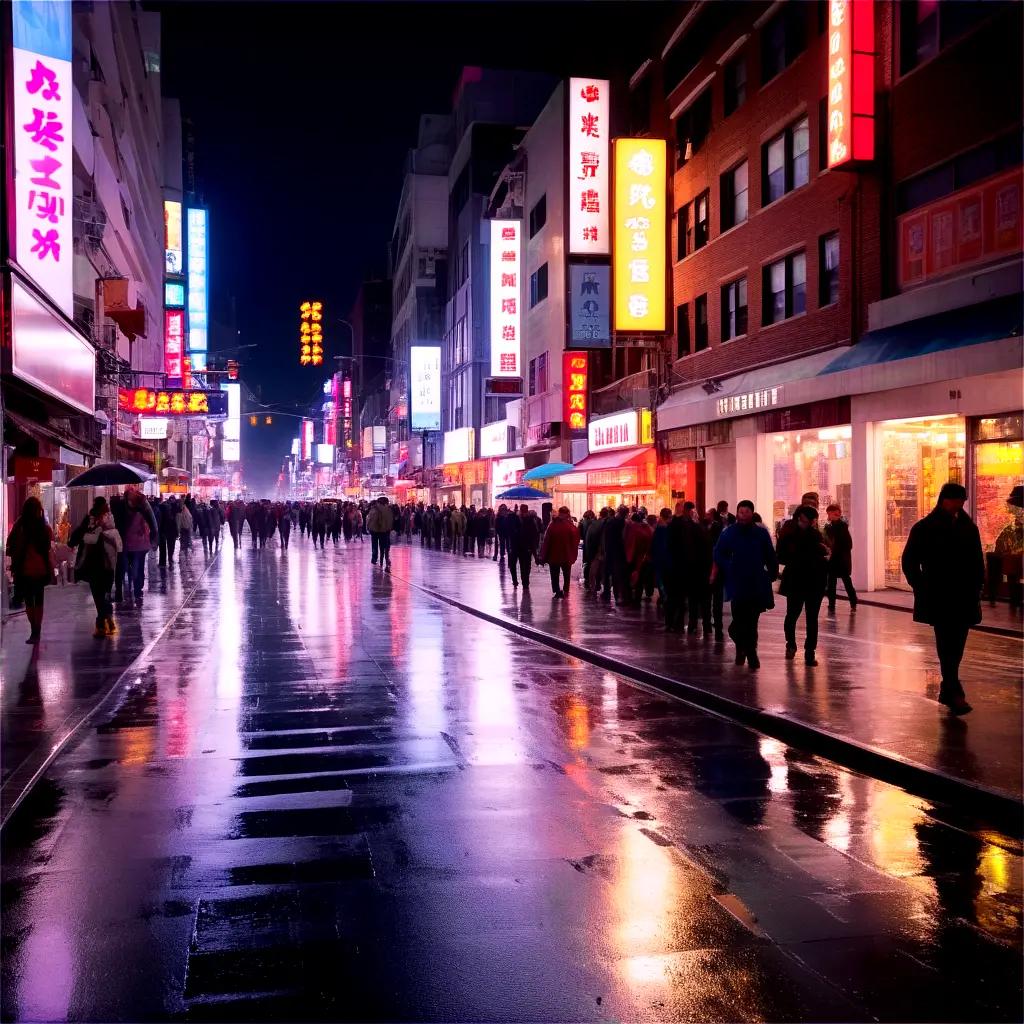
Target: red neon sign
{"type": "Point", "coordinates": [851, 81]}
{"type": "Point", "coordinates": [163, 402]}
{"type": "Point", "coordinates": [575, 367]}
{"type": "Point", "coordinates": [174, 334]}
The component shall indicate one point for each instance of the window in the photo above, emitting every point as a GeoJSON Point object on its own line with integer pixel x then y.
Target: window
{"type": "Point", "coordinates": [542, 373]}
{"type": "Point", "coordinates": [701, 213]}
{"type": "Point", "coordinates": [683, 240]}
{"type": "Point", "coordinates": [533, 377]}
{"type": "Point", "coordinates": [734, 196]}
{"type": "Point", "coordinates": [539, 285]}
{"type": "Point", "coordinates": [464, 269]}
{"type": "Point", "coordinates": [734, 309]}
{"type": "Point", "coordinates": [926, 26]}
{"type": "Point", "coordinates": [782, 40]}
{"type": "Point", "coordinates": [785, 161]}
{"type": "Point", "coordinates": [538, 215]}
{"type": "Point", "coordinates": [693, 125]}
{"type": "Point", "coordinates": [700, 317]}
{"type": "Point", "coordinates": [682, 330]}
{"type": "Point", "coordinates": [735, 84]}
{"type": "Point", "coordinates": [784, 292]}
{"type": "Point", "coordinates": [828, 269]}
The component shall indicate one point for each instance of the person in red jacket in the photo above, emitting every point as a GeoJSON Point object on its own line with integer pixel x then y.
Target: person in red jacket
{"type": "Point", "coordinates": [560, 549]}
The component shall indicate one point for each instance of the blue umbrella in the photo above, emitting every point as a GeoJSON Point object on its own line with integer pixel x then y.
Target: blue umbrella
{"type": "Point", "coordinates": [523, 494]}
{"type": "Point", "coordinates": [548, 470]}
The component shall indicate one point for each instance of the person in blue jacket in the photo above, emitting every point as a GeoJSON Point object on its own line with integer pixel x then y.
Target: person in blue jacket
{"type": "Point", "coordinates": [745, 555]}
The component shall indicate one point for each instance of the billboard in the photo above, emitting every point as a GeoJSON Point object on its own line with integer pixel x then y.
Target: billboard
{"type": "Point", "coordinates": [460, 445]}
{"type": "Point", "coordinates": [173, 402]}
{"type": "Point", "coordinates": [174, 294]}
{"type": "Point", "coordinates": [575, 369]}
{"type": "Point", "coordinates": [590, 297]}
{"type": "Point", "coordinates": [311, 337]}
{"type": "Point", "coordinates": [588, 166]}
{"type": "Point", "coordinates": [230, 451]}
{"type": "Point", "coordinates": [628, 429]}
{"type": "Point", "coordinates": [153, 428]}
{"type": "Point", "coordinates": [425, 392]}
{"type": "Point", "coordinates": [325, 454]}
{"type": "Point", "coordinates": [851, 81]}
{"type": "Point", "coordinates": [494, 439]}
{"type": "Point", "coordinates": [506, 241]}
{"type": "Point", "coordinates": [233, 424]}
{"type": "Point", "coordinates": [174, 341]}
{"type": "Point", "coordinates": [198, 282]}
{"type": "Point", "coordinates": [306, 437]}
{"type": "Point", "coordinates": [173, 255]}
{"type": "Point", "coordinates": [639, 251]}
{"type": "Point", "coordinates": [41, 130]}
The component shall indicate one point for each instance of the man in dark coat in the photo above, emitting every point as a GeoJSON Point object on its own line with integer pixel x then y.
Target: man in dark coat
{"type": "Point", "coordinates": [523, 542]}
{"type": "Point", "coordinates": [837, 536]}
{"type": "Point", "coordinates": [686, 560]}
{"type": "Point", "coordinates": [945, 567]}
{"type": "Point", "coordinates": [613, 543]}
{"type": "Point", "coordinates": [168, 523]}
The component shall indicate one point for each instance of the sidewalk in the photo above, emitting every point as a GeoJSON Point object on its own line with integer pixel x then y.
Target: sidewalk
{"type": "Point", "coordinates": [46, 692]}
{"type": "Point", "coordinates": [875, 685]}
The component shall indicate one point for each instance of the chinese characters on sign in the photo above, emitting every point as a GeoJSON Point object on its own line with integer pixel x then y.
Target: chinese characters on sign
{"type": "Point", "coordinates": [589, 301]}
{"type": "Point", "coordinates": [763, 399]}
{"type": "Point", "coordinates": [622, 430]}
{"type": "Point", "coordinates": [174, 338]}
{"type": "Point", "coordinates": [311, 337]}
{"type": "Point", "coordinates": [639, 253]}
{"type": "Point", "coordinates": [425, 395]}
{"type": "Point", "coordinates": [506, 238]}
{"type": "Point", "coordinates": [172, 402]}
{"type": "Point", "coordinates": [198, 302]}
{"type": "Point", "coordinates": [173, 263]}
{"type": "Point", "coordinates": [42, 146]}
{"type": "Point", "coordinates": [588, 166]}
{"type": "Point", "coordinates": [851, 81]}
{"type": "Point", "coordinates": [575, 366]}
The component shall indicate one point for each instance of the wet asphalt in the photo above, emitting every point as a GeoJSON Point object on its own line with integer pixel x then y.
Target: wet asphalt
{"type": "Point", "coordinates": [328, 796]}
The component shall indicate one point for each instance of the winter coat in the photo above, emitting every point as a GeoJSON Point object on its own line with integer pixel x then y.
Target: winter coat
{"type": "Point", "coordinates": [614, 539]}
{"type": "Point", "coordinates": [637, 537]}
{"type": "Point", "coordinates": [837, 536]}
{"type": "Point", "coordinates": [28, 547]}
{"type": "Point", "coordinates": [169, 520]}
{"type": "Point", "coordinates": [561, 542]}
{"type": "Point", "coordinates": [746, 555]}
{"type": "Point", "coordinates": [659, 547]}
{"type": "Point", "coordinates": [592, 543]}
{"type": "Point", "coordinates": [458, 522]}
{"type": "Point", "coordinates": [805, 556]}
{"type": "Point", "coordinates": [523, 534]}
{"type": "Point", "coordinates": [140, 529]}
{"type": "Point", "coordinates": [184, 519]}
{"type": "Point", "coordinates": [380, 519]}
{"type": "Point", "coordinates": [98, 544]}
{"type": "Point", "coordinates": [944, 564]}
{"type": "Point", "coordinates": [688, 560]}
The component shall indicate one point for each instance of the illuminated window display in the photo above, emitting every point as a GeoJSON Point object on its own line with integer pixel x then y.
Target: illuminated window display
{"type": "Point", "coordinates": [998, 457]}
{"type": "Point", "coordinates": [811, 460]}
{"type": "Point", "coordinates": [918, 457]}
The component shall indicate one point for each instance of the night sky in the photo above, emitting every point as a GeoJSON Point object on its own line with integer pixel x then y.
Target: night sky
{"type": "Point", "coordinates": [302, 116]}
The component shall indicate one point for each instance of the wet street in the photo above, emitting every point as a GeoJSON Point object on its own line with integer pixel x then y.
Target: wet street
{"type": "Point", "coordinates": [328, 795]}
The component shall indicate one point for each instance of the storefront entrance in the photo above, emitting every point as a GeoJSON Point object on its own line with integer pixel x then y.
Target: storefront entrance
{"type": "Point", "coordinates": [811, 460]}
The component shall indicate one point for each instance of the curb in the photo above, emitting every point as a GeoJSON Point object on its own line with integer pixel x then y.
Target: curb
{"type": "Point", "coordinates": [996, 806]}
{"type": "Point", "coordinates": [26, 776]}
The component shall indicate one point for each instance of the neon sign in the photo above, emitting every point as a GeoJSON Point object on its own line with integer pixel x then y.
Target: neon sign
{"type": "Point", "coordinates": [851, 82]}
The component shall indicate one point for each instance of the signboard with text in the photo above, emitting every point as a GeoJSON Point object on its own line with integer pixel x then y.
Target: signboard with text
{"type": "Point", "coordinates": [173, 253]}
{"type": "Point", "coordinates": [851, 82]}
{"type": "Point", "coordinates": [590, 306]}
{"type": "Point", "coordinates": [174, 341]}
{"type": "Point", "coordinates": [588, 171]}
{"type": "Point", "coordinates": [174, 402]}
{"type": "Point", "coordinates": [198, 286]}
{"type": "Point", "coordinates": [506, 241]}
{"type": "Point", "coordinates": [575, 367]}
{"type": "Point", "coordinates": [629, 429]}
{"type": "Point", "coordinates": [425, 394]}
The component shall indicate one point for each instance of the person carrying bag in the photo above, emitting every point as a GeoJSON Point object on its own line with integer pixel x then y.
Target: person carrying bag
{"type": "Point", "coordinates": [99, 544]}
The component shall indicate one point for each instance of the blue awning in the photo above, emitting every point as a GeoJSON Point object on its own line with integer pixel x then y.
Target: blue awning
{"type": "Point", "coordinates": [970, 325]}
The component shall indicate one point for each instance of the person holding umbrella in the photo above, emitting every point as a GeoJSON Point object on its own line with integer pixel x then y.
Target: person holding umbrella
{"type": "Point", "coordinates": [98, 544]}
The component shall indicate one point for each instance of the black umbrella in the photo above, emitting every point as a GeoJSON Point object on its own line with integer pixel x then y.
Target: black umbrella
{"type": "Point", "coordinates": [110, 474]}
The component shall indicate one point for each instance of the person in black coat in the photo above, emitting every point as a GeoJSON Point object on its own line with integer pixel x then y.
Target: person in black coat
{"type": "Point", "coordinates": [613, 543]}
{"type": "Point", "coordinates": [804, 553]}
{"type": "Point", "coordinates": [840, 564]}
{"type": "Point", "coordinates": [944, 565]}
{"type": "Point", "coordinates": [523, 543]}
{"type": "Point", "coordinates": [168, 523]}
{"type": "Point", "coordinates": [687, 560]}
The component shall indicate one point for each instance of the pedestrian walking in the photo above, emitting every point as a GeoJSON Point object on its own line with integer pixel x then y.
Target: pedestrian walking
{"type": "Point", "coordinates": [840, 564]}
{"type": "Point", "coordinates": [185, 523]}
{"type": "Point", "coordinates": [119, 510]}
{"type": "Point", "coordinates": [29, 547]}
{"type": "Point", "coordinates": [746, 556]}
{"type": "Point", "coordinates": [98, 544]}
{"type": "Point", "coordinates": [944, 565]}
{"type": "Point", "coordinates": [217, 520]}
{"type": "Point", "coordinates": [501, 533]}
{"type": "Point", "coordinates": [560, 549]}
{"type": "Point", "coordinates": [685, 561]}
{"type": "Point", "coordinates": [637, 537]}
{"type": "Point", "coordinates": [659, 556]}
{"type": "Point", "coordinates": [593, 548]}
{"type": "Point", "coordinates": [523, 542]}
{"type": "Point", "coordinates": [713, 525]}
{"type": "Point", "coordinates": [141, 534]}
{"type": "Point", "coordinates": [236, 520]}
{"type": "Point", "coordinates": [284, 527]}
{"type": "Point", "coordinates": [457, 526]}
{"type": "Point", "coordinates": [168, 530]}
{"type": "Point", "coordinates": [380, 522]}
{"type": "Point", "coordinates": [804, 554]}
{"type": "Point", "coordinates": [613, 553]}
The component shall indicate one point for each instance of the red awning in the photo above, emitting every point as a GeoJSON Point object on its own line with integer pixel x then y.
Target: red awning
{"type": "Point", "coordinates": [614, 460]}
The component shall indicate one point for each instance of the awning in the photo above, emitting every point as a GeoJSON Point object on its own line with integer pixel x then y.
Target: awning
{"type": "Point", "coordinates": [613, 460]}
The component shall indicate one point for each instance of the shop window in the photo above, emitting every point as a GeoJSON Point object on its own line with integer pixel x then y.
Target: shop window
{"type": "Point", "coordinates": [539, 285]}
{"type": "Point", "coordinates": [683, 240]}
{"type": "Point", "coordinates": [785, 161]}
{"type": "Point", "coordinates": [828, 269]}
{"type": "Point", "coordinates": [734, 196]}
{"type": "Point", "coordinates": [735, 84]}
{"type": "Point", "coordinates": [811, 460]}
{"type": "Point", "coordinates": [538, 215]}
{"type": "Point", "coordinates": [734, 309]}
{"type": "Point", "coordinates": [701, 218]}
{"type": "Point", "coordinates": [700, 323]}
{"type": "Point", "coordinates": [784, 289]}
{"type": "Point", "coordinates": [692, 127]}
{"type": "Point", "coordinates": [918, 457]}
{"type": "Point", "coordinates": [782, 40]}
{"type": "Point", "coordinates": [682, 330]}
{"type": "Point", "coordinates": [998, 448]}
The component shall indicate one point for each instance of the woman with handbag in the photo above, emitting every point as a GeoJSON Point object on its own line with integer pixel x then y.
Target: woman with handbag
{"type": "Point", "coordinates": [29, 549]}
{"type": "Point", "coordinates": [98, 544]}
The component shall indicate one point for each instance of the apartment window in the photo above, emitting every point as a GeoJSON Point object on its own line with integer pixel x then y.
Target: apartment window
{"type": "Point", "coordinates": [682, 330]}
{"type": "Point", "coordinates": [734, 196]}
{"type": "Point", "coordinates": [538, 215]}
{"type": "Point", "coordinates": [926, 26]}
{"type": "Point", "coordinates": [538, 285]}
{"type": "Point", "coordinates": [683, 240]}
{"type": "Point", "coordinates": [734, 309]}
{"type": "Point", "coordinates": [784, 292]}
{"type": "Point", "coordinates": [701, 217]}
{"type": "Point", "coordinates": [828, 269]}
{"type": "Point", "coordinates": [782, 40]}
{"type": "Point", "coordinates": [533, 377]}
{"type": "Point", "coordinates": [735, 84]}
{"type": "Point", "coordinates": [693, 125]}
{"type": "Point", "coordinates": [700, 323]}
{"type": "Point", "coordinates": [785, 161]}
{"type": "Point", "coordinates": [542, 373]}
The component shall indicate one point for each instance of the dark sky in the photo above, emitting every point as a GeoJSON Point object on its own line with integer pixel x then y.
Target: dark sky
{"type": "Point", "coordinates": [302, 116]}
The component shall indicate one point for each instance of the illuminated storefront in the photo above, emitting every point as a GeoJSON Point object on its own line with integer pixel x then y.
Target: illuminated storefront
{"type": "Point", "coordinates": [811, 460]}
